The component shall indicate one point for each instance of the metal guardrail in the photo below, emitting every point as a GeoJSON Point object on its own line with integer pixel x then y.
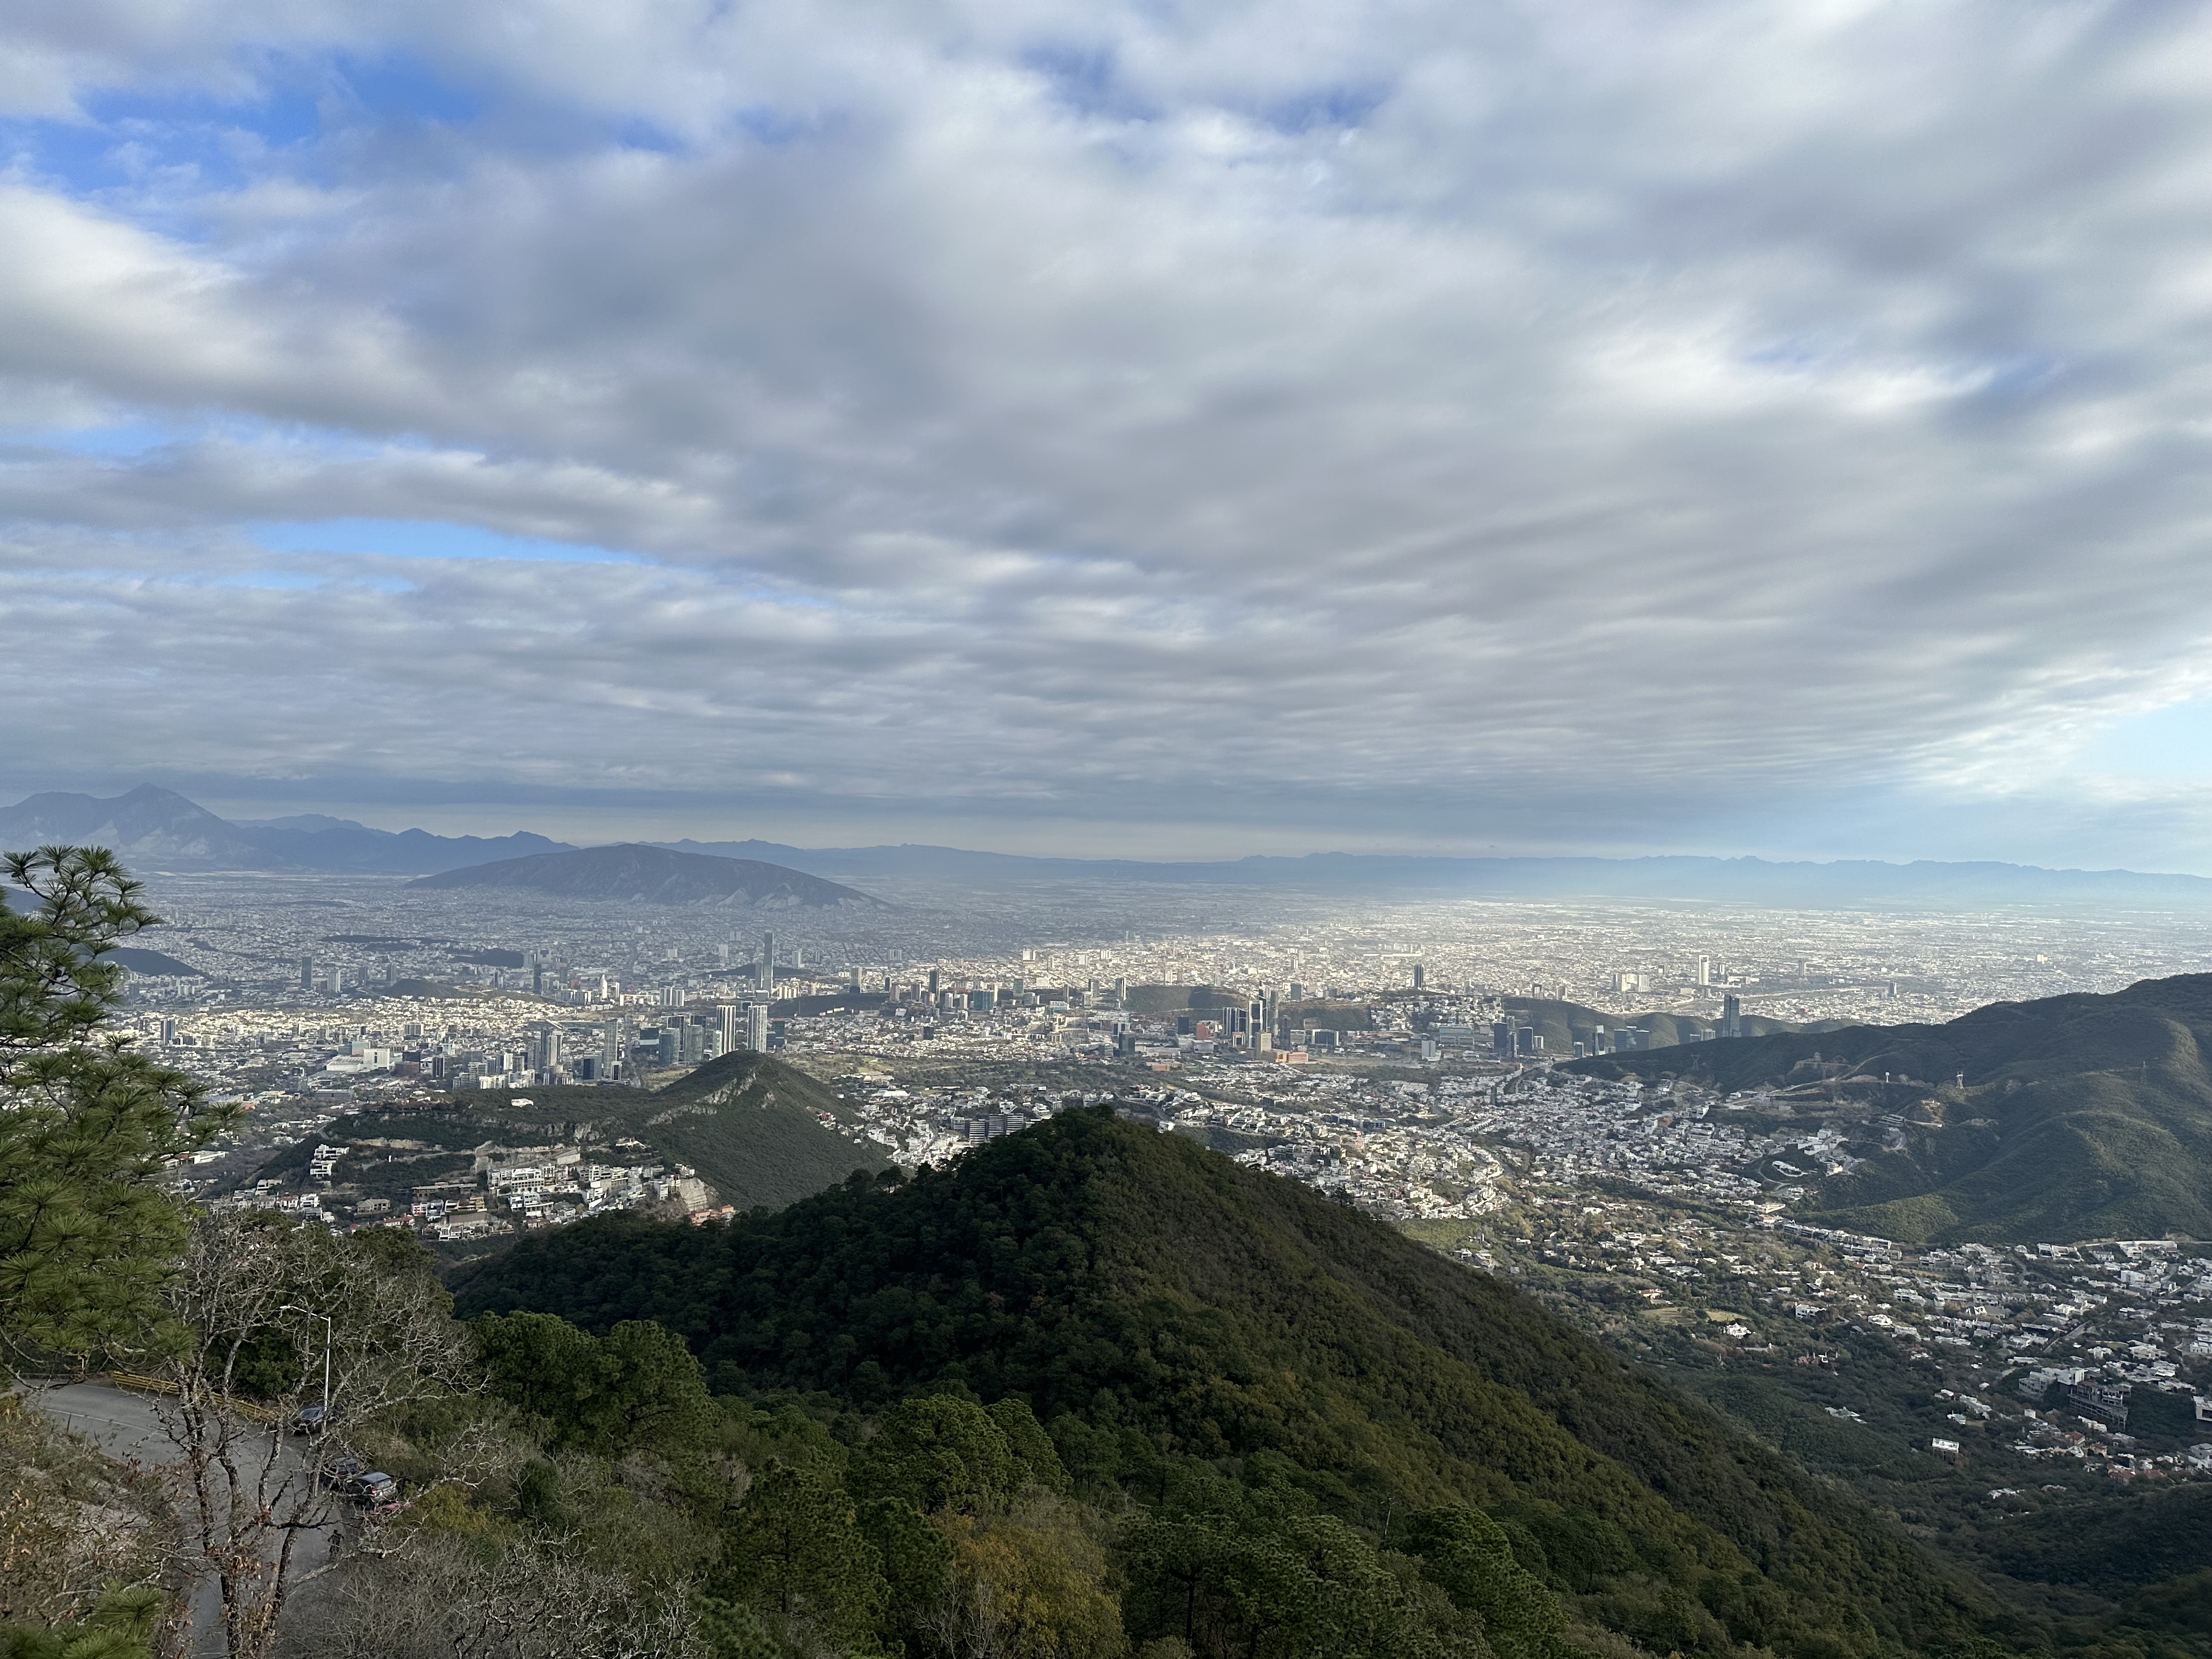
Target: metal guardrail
{"type": "Point", "coordinates": [140, 1384]}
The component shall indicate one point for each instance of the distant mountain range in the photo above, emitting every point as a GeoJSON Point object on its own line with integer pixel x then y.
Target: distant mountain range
{"type": "Point", "coordinates": [1844, 883]}
{"type": "Point", "coordinates": [2069, 1117]}
{"type": "Point", "coordinates": [655, 875]}
{"type": "Point", "coordinates": [156, 829]}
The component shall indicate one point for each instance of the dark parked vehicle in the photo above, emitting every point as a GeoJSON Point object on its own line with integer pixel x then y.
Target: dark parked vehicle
{"type": "Point", "coordinates": [312, 1419]}
{"type": "Point", "coordinates": [338, 1472]}
{"type": "Point", "coordinates": [372, 1488]}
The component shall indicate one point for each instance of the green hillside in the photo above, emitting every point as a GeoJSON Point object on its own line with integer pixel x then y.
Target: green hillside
{"type": "Point", "coordinates": [752, 1125]}
{"type": "Point", "coordinates": [2079, 1116]}
{"type": "Point", "coordinates": [1162, 1308]}
{"type": "Point", "coordinates": [1563, 1024]}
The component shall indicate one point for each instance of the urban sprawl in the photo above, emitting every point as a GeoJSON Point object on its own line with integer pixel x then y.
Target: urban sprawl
{"type": "Point", "coordinates": [1383, 1055]}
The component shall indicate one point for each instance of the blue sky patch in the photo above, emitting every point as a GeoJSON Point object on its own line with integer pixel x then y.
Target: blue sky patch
{"type": "Point", "coordinates": [420, 538]}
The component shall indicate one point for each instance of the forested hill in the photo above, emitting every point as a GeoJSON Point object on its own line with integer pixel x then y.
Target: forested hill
{"type": "Point", "coordinates": [2080, 1116]}
{"type": "Point", "coordinates": [1155, 1302]}
{"type": "Point", "coordinates": [761, 1131]}
{"type": "Point", "coordinates": [1563, 1024]}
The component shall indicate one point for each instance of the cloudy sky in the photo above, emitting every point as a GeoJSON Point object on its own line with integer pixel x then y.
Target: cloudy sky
{"type": "Point", "coordinates": [1148, 427]}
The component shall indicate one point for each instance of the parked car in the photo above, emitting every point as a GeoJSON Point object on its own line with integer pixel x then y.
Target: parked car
{"type": "Point", "coordinates": [338, 1471]}
{"type": "Point", "coordinates": [311, 1419]}
{"type": "Point", "coordinates": [372, 1488]}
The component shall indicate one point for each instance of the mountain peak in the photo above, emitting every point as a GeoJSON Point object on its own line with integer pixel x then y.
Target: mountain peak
{"type": "Point", "coordinates": [156, 828]}
{"type": "Point", "coordinates": [1179, 1305]}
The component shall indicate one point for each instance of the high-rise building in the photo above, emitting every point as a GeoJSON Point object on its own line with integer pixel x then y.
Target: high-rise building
{"type": "Point", "coordinates": [337, 979]}
{"type": "Point", "coordinates": [757, 1027]}
{"type": "Point", "coordinates": [1704, 971]}
{"type": "Point", "coordinates": [1731, 1015]}
{"type": "Point", "coordinates": [307, 972]}
{"type": "Point", "coordinates": [768, 959]}
{"type": "Point", "coordinates": [544, 1048]}
{"type": "Point", "coordinates": [936, 981]}
{"type": "Point", "coordinates": [732, 1027]}
{"type": "Point", "coordinates": [1421, 976]}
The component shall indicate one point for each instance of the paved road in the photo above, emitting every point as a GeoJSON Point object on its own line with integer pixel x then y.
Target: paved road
{"type": "Point", "coordinates": [125, 1426]}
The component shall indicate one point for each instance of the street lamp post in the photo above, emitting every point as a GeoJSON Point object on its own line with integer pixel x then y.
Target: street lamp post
{"type": "Point", "coordinates": [329, 1341]}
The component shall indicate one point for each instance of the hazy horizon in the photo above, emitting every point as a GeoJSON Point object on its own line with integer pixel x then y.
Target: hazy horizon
{"type": "Point", "coordinates": [592, 831]}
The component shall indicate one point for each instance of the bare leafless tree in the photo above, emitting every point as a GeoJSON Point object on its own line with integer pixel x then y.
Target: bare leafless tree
{"type": "Point", "coordinates": [275, 1316]}
{"type": "Point", "coordinates": [524, 1601]}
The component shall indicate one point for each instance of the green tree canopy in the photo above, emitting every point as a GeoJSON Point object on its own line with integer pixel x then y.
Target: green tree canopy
{"type": "Point", "coordinates": [636, 1386]}
{"type": "Point", "coordinates": [86, 1237]}
{"type": "Point", "coordinates": [940, 1452]}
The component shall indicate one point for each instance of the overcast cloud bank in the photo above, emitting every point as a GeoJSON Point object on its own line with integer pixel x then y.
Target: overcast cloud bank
{"type": "Point", "coordinates": [1118, 429]}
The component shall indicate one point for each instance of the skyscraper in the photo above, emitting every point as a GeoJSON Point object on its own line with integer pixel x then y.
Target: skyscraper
{"type": "Point", "coordinates": [1421, 976]}
{"type": "Point", "coordinates": [1731, 1015]}
{"type": "Point", "coordinates": [307, 972]}
{"type": "Point", "coordinates": [767, 968]}
{"type": "Point", "coordinates": [732, 1027]}
{"type": "Point", "coordinates": [1705, 970]}
{"type": "Point", "coordinates": [757, 1027]}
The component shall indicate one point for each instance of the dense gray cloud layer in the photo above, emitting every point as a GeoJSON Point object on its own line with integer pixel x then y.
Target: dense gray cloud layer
{"type": "Point", "coordinates": [1119, 426]}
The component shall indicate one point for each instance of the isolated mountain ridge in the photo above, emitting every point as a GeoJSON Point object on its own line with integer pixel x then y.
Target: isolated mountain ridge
{"type": "Point", "coordinates": [2087, 1116]}
{"type": "Point", "coordinates": [1151, 1300]}
{"type": "Point", "coordinates": [654, 875]}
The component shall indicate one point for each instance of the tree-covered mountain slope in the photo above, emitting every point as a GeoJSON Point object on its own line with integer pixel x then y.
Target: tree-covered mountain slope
{"type": "Point", "coordinates": [1155, 1302]}
{"type": "Point", "coordinates": [2080, 1116]}
{"type": "Point", "coordinates": [762, 1133]}
{"type": "Point", "coordinates": [1563, 1024]}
